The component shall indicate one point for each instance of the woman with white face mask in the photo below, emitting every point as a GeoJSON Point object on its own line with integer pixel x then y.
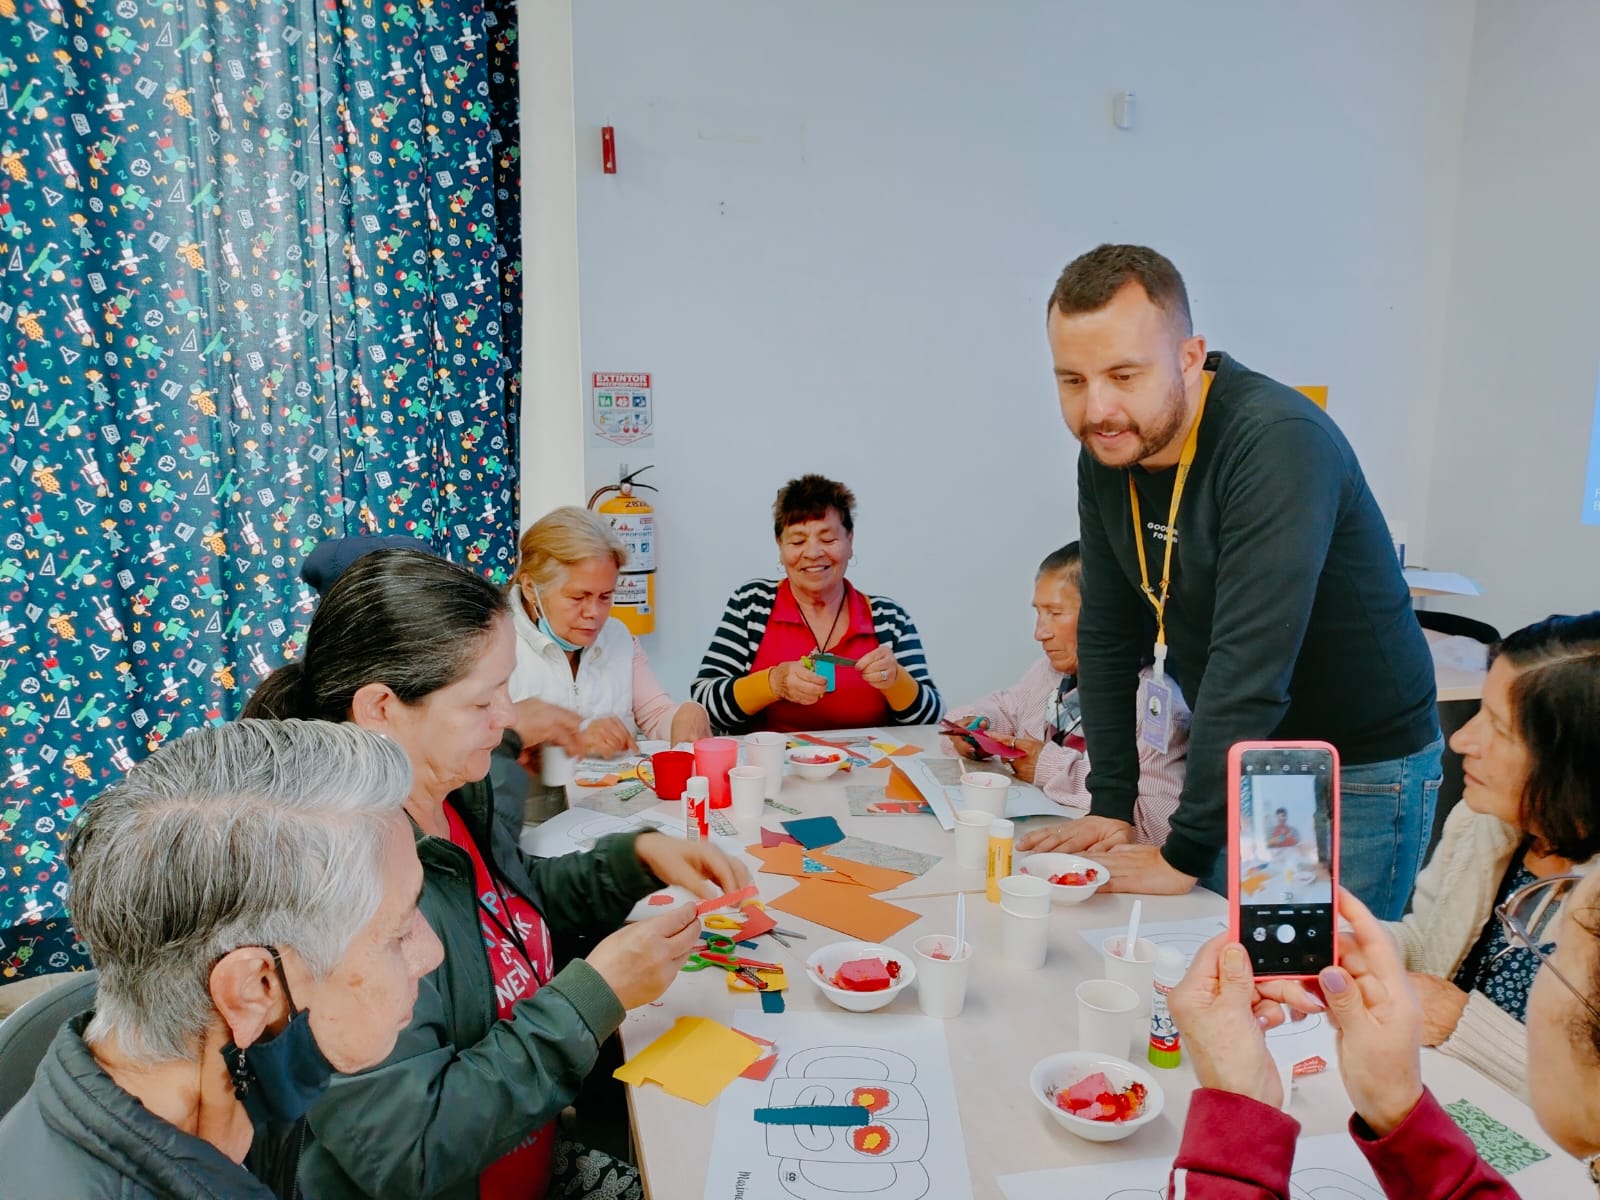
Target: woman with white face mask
{"type": "Point", "coordinates": [573, 654]}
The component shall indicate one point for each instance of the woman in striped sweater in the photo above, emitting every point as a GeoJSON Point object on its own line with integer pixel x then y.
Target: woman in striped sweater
{"type": "Point", "coordinates": [761, 670]}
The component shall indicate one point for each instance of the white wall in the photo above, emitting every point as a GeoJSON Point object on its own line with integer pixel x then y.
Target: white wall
{"type": "Point", "coordinates": [1523, 341]}
{"type": "Point", "coordinates": [551, 434]}
{"type": "Point", "coordinates": [835, 225]}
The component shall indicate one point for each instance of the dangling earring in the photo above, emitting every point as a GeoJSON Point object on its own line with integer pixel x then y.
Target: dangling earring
{"type": "Point", "coordinates": [239, 1070]}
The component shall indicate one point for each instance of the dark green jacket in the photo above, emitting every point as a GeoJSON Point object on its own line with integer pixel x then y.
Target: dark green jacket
{"type": "Point", "coordinates": [463, 1088]}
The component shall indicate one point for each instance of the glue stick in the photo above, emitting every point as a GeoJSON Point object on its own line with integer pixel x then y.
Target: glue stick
{"type": "Point", "coordinates": [1165, 1048]}
{"type": "Point", "coordinates": [697, 808]}
{"type": "Point", "coordinates": [1000, 835]}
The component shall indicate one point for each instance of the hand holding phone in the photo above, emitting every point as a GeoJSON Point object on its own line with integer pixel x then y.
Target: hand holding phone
{"type": "Point", "coordinates": [1283, 856]}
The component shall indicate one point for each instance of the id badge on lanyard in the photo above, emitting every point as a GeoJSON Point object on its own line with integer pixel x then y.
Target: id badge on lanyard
{"type": "Point", "coordinates": [1155, 698]}
{"type": "Point", "coordinates": [1155, 714]}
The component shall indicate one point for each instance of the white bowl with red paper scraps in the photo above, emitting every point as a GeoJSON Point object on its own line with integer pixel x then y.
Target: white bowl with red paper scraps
{"type": "Point", "coordinates": [815, 762]}
{"type": "Point", "coordinates": [860, 976]}
{"type": "Point", "coordinates": [1072, 879]}
{"type": "Point", "coordinates": [1097, 1097]}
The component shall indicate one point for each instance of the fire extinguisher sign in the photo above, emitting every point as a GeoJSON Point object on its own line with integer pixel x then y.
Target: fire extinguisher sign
{"type": "Point", "coordinates": [622, 406]}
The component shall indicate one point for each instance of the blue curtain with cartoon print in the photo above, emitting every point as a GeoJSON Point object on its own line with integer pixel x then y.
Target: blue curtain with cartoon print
{"type": "Point", "coordinates": [259, 285]}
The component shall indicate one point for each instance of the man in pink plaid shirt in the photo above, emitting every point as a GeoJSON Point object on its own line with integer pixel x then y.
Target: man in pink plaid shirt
{"type": "Point", "coordinates": [1040, 715]}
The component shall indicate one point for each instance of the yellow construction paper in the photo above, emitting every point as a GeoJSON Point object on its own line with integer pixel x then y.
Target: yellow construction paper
{"type": "Point", "coordinates": [1316, 393]}
{"type": "Point", "coordinates": [694, 1060]}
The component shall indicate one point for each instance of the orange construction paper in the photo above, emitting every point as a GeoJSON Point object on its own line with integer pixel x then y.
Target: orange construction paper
{"type": "Point", "coordinates": [848, 910]}
{"type": "Point", "coordinates": [873, 878]}
{"type": "Point", "coordinates": [787, 859]}
{"type": "Point", "coordinates": [900, 786]}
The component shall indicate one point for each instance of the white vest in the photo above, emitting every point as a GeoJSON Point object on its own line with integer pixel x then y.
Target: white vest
{"type": "Point", "coordinates": [604, 684]}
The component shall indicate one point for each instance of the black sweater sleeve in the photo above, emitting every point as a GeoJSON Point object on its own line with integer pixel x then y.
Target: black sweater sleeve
{"type": "Point", "coordinates": [1113, 632]}
{"type": "Point", "coordinates": [1280, 492]}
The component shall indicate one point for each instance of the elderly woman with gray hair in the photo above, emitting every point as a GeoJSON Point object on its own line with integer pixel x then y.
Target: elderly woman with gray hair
{"type": "Point", "coordinates": [249, 897]}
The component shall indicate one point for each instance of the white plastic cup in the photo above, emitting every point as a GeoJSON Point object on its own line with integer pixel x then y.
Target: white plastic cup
{"type": "Point", "coordinates": [972, 839]}
{"type": "Point", "coordinates": [1026, 895]}
{"type": "Point", "coordinates": [555, 766]}
{"type": "Point", "coordinates": [985, 791]}
{"type": "Point", "coordinates": [1138, 972]}
{"type": "Point", "coordinates": [1106, 1017]}
{"type": "Point", "coordinates": [941, 982]}
{"type": "Point", "coordinates": [1285, 1065]}
{"type": "Point", "coordinates": [765, 750]}
{"type": "Point", "coordinates": [1025, 937]}
{"type": "Point", "coordinates": [748, 785]}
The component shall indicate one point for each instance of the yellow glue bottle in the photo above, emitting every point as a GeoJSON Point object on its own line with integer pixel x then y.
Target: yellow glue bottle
{"type": "Point", "coordinates": [1001, 834]}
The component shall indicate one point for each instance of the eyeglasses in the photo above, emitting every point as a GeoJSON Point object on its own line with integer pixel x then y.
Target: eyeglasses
{"type": "Point", "coordinates": [1529, 916]}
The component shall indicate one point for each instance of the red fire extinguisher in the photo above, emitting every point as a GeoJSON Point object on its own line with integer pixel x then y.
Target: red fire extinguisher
{"type": "Point", "coordinates": [634, 521]}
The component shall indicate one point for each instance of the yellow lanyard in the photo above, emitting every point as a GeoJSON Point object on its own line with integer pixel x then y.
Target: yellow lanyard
{"type": "Point", "coordinates": [1159, 603]}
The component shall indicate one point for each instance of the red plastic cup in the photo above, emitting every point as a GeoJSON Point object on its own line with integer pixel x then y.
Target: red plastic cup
{"type": "Point", "coordinates": [714, 758]}
{"type": "Point", "coordinates": [667, 771]}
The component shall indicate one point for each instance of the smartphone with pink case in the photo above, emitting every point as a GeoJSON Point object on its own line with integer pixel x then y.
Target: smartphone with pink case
{"type": "Point", "coordinates": [1283, 856]}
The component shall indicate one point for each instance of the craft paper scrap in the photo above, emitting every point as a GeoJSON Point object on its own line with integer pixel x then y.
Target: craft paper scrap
{"type": "Point", "coordinates": [1304, 1042]}
{"type": "Point", "coordinates": [881, 854]}
{"type": "Point", "coordinates": [727, 900]}
{"type": "Point", "coordinates": [770, 839]}
{"type": "Point", "coordinates": [787, 860]}
{"type": "Point", "coordinates": [762, 1067]}
{"type": "Point", "coordinates": [657, 903]}
{"type": "Point", "coordinates": [812, 832]}
{"type": "Point", "coordinates": [899, 787]}
{"type": "Point", "coordinates": [1502, 1147]}
{"type": "Point", "coordinates": [917, 773]}
{"type": "Point", "coordinates": [847, 910]}
{"type": "Point", "coordinates": [695, 1059]}
{"type": "Point", "coordinates": [1186, 936]}
{"type": "Point", "coordinates": [756, 923]}
{"type": "Point", "coordinates": [894, 1069]}
{"type": "Point", "coordinates": [866, 801]}
{"type": "Point", "coordinates": [874, 879]}
{"type": "Point", "coordinates": [1326, 1165]}
{"type": "Point", "coordinates": [841, 1116]}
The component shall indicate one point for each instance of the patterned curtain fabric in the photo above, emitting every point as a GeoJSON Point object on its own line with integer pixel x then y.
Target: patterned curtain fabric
{"type": "Point", "coordinates": [259, 286]}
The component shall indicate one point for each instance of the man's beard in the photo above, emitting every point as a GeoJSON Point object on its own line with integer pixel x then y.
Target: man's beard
{"type": "Point", "coordinates": [1169, 425]}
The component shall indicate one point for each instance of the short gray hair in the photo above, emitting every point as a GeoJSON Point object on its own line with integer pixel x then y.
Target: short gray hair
{"type": "Point", "coordinates": [249, 834]}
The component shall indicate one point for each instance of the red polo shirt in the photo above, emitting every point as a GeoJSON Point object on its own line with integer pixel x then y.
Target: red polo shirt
{"type": "Point", "coordinates": [853, 703]}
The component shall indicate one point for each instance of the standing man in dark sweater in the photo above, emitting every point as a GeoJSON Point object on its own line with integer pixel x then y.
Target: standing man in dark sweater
{"type": "Point", "coordinates": [1280, 611]}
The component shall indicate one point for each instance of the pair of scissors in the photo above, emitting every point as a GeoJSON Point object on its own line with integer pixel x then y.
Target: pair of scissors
{"type": "Point", "coordinates": [836, 659]}
{"type": "Point", "coordinates": [719, 952]}
{"type": "Point", "coordinates": [724, 921]}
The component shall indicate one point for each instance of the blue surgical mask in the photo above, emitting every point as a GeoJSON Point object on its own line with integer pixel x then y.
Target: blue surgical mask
{"type": "Point", "coordinates": [544, 627]}
{"type": "Point", "coordinates": [279, 1079]}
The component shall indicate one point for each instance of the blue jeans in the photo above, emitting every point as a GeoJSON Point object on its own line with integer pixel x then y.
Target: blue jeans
{"type": "Point", "coordinates": [1386, 819]}
{"type": "Point", "coordinates": [1385, 822]}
